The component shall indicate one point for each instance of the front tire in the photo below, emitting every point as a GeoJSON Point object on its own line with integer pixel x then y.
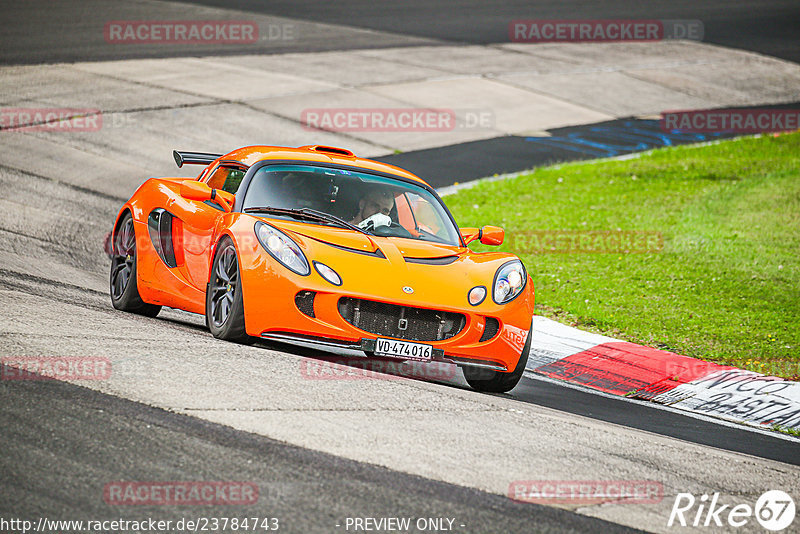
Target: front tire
{"type": "Point", "coordinates": [224, 300]}
{"type": "Point", "coordinates": [489, 381]}
{"type": "Point", "coordinates": [123, 280]}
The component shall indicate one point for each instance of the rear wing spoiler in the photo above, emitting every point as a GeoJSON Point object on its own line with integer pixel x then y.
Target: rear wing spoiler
{"type": "Point", "coordinates": [193, 158]}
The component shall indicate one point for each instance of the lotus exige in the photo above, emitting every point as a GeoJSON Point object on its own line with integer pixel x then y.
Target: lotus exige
{"type": "Point", "coordinates": [315, 244]}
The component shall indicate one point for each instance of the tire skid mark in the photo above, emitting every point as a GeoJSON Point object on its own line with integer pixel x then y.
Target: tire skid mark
{"type": "Point", "coordinates": [43, 287]}
{"type": "Point", "coordinates": [78, 188]}
{"type": "Point", "coordinates": [49, 242]}
{"type": "Point", "coordinates": [83, 297]}
{"type": "Point", "coordinates": [87, 260]}
{"type": "Point", "coordinates": [16, 275]}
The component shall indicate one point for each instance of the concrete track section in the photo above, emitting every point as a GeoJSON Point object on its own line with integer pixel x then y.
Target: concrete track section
{"type": "Point", "coordinates": [94, 440]}
{"type": "Point", "coordinates": [217, 104]}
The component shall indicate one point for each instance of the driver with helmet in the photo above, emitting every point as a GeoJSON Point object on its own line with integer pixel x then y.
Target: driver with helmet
{"type": "Point", "coordinates": [374, 209]}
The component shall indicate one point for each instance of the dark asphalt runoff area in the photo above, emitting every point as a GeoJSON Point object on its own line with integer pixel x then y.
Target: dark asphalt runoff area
{"type": "Point", "coordinates": [43, 31]}
{"type": "Point", "coordinates": [478, 159]}
{"type": "Point", "coordinates": [508, 154]}
{"type": "Point", "coordinates": [770, 27]}
{"type": "Point", "coordinates": [63, 443]}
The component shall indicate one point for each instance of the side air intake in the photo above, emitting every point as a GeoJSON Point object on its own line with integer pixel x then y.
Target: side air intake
{"type": "Point", "coordinates": [492, 327]}
{"type": "Point", "coordinates": [305, 302]}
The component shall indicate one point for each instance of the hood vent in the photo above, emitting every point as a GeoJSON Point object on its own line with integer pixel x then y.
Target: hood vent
{"type": "Point", "coordinates": [331, 150]}
{"type": "Point", "coordinates": [445, 260]}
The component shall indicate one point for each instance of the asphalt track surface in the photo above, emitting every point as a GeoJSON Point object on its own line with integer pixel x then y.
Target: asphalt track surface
{"type": "Point", "coordinates": [66, 441]}
{"type": "Point", "coordinates": [766, 26]}
{"type": "Point", "coordinates": [306, 491]}
{"type": "Point", "coordinates": [640, 415]}
{"type": "Point", "coordinates": [42, 31]}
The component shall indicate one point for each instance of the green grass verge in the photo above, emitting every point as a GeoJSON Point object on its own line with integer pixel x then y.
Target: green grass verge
{"type": "Point", "coordinates": [726, 285]}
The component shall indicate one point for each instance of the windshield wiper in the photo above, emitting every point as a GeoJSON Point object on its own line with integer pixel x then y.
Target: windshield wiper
{"type": "Point", "coordinates": [334, 219]}
{"type": "Point", "coordinates": [308, 214]}
{"type": "Point", "coordinates": [297, 214]}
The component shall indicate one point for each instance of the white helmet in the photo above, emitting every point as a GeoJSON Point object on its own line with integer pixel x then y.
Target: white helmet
{"type": "Point", "coordinates": [373, 221]}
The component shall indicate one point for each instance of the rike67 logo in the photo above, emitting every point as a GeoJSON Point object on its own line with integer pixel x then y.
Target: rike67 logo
{"type": "Point", "coordinates": [774, 510]}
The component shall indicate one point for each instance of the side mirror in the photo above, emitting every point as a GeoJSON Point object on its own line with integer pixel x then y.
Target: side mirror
{"type": "Point", "coordinates": [200, 191]}
{"type": "Point", "coordinates": [488, 235]}
{"type": "Point", "coordinates": [492, 235]}
{"type": "Point", "coordinates": [194, 190]}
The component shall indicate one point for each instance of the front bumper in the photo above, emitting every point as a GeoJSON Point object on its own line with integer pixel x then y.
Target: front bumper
{"type": "Point", "coordinates": [368, 346]}
{"type": "Point", "coordinates": [271, 311]}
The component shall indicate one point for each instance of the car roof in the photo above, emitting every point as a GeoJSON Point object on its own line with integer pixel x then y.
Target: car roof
{"type": "Point", "coordinates": [250, 155]}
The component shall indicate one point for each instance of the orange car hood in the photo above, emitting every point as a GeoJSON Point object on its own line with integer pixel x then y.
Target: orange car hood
{"type": "Point", "coordinates": [343, 237]}
{"type": "Point", "coordinates": [446, 283]}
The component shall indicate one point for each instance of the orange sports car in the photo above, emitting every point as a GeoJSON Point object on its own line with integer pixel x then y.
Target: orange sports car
{"type": "Point", "coordinates": [315, 244]}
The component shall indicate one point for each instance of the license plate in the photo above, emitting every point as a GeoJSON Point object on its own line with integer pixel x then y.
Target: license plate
{"type": "Point", "coordinates": [403, 349]}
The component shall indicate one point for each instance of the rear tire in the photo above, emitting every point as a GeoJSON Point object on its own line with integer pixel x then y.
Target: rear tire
{"type": "Point", "coordinates": [224, 300]}
{"type": "Point", "coordinates": [489, 381]}
{"type": "Point", "coordinates": [122, 279]}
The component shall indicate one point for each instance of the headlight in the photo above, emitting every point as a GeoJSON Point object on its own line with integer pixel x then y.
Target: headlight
{"type": "Point", "coordinates": [509, 282]}
{"type": "Point", "coordinates": [328, 274]}
{"type": "Point", "coordinates": [281, 247]}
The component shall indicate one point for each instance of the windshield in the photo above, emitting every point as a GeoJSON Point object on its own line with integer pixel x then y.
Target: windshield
{"type": "Point", "coordinates": [380, 206]}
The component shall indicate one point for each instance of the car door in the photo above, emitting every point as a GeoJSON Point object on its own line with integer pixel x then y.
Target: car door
{"type": "Point", "coordinates": [199, 220]}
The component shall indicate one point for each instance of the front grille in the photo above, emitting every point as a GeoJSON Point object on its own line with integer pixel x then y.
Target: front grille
{"type": "Point", "coordinates": [492, 326]}
{"type": "Point", "coordinates": [305, 302]}
{"type": "Point", "coordinates": [402, 322]}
